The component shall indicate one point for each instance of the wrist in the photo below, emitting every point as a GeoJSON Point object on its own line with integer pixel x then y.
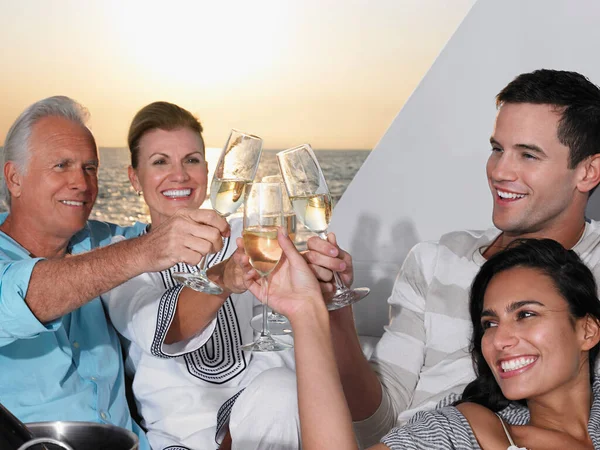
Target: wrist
{"type": "Point", "coordinates": [217, 274]}
{"type": "Point", "coordinates": [313, 311]}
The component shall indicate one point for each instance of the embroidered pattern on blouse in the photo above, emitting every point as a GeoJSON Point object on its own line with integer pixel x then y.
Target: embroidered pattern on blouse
{"type": "Point", "coordinates": [223, 416]}
{"type": "Point", "coordinates": [166, 311]}
{"type": "Point", "coordinates": [220, 359]}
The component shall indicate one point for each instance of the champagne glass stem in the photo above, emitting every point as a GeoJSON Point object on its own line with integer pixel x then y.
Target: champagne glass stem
{"type": "Point", "coordinates": [265, 295]}
{"type": "Point", "coordinates": [204, 262]}
{"type": "Point", "coordinates": [339, 284]}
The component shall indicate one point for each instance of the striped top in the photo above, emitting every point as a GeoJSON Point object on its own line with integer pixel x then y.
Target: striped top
{"type": "Point", "coordinates": [447, 429]}
{"type": "Point", "coordinates": [423, 355]}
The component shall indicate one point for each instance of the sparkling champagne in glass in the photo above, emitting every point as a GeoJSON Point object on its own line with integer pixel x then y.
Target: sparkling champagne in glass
{"type": "Point", "coordinates": [278, 323]}
{"type": "Point", "coordinates": [263, 215]}
{"type": "Point", "coordinates": [311, 200]}
{"type": "Point", "coordinates": [236, 168]}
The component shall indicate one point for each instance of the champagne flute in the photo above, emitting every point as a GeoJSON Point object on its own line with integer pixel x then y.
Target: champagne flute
{"type": "Point", "coordinates": [278, 323]}
{"type": "Point", "coordinates": [236, 168]}
{"type": "Point", "coordinates": [311, 200]}
{"type": "Point", "coordinates": [262, 217]}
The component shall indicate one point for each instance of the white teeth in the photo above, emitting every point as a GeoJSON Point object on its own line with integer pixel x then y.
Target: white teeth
{"type": "Point", "coordinates": [71, 203]}
{"type": "Point", "coordinates": [173, 193]}
{"type": "Point", "coordinates": [510, 195]}
{"type": "Point", "coordinates": [515, 364]}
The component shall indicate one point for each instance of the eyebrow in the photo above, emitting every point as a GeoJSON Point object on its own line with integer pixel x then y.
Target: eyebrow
{"type": "Point", "coordinates": [512, 307]}
{"type": "Point", "coordinates": [531, 147]}
{"type": "Point", "coordinates": [185, 156]}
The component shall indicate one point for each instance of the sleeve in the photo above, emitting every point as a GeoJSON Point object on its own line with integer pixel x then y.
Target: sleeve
{"type": "Point", "coordinates": [400, 353]}
{"type": "Point", "coordinates": [142, 312]}
{"type": "Point", "coordinates": [444, 429]}
{"type": "Point", "coordinates": [16, 319]}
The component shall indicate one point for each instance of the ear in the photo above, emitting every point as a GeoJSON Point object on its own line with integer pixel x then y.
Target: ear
{"type": "Point", "coordinates": [13, 179]}
{"type": "Point", "coordinates": [133, 179]}
{"type": "Point", "coordinates": [590, 332]}
{"type": "Point", "coordinates": [590, 173]}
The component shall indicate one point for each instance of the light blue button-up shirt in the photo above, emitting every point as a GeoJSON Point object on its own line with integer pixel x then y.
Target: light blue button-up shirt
{"type": "Point", "coordinates": [70, 368]}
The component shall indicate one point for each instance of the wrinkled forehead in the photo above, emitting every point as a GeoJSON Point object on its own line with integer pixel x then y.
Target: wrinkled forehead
{"type": "Point", "coordinates": [55, 136]}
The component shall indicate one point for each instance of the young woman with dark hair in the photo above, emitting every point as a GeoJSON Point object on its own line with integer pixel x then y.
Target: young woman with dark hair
{"type": "Point", "coordinates": [536, 329]}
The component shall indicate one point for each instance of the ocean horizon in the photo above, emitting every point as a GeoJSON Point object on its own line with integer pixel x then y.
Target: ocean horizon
{"type": "Point", "coordinates": [118, 203]}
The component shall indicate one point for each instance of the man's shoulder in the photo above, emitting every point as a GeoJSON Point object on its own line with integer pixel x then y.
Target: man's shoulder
{"type": "Point", "coordinates": [460, 243]}
{"type": "Point", "coordinates": [97, 233]}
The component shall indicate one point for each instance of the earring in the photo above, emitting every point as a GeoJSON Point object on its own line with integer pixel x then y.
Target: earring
{"type": "Point", "coordinates": [139, 193]}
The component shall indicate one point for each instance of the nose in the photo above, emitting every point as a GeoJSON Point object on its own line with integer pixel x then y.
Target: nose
{"type": "Point", "coordinates": [504, 337]}
{"type": "Point", "coordinates": [79, 180]}
{"type": "Point", "coordinates": [179, 173]}
{"type": "Point", "coordinates": [502, 167]}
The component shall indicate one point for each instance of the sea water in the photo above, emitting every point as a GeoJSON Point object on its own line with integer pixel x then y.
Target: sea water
{"type": "Point", "coordinates": [117, 202]}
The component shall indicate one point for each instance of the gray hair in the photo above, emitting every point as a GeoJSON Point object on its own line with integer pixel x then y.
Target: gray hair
{"type": "Point", "coordinates": [16, 144]}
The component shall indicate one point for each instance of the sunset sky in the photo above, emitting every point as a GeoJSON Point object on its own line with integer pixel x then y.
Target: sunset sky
{"type": "Point", "coordinates": [333, 73]}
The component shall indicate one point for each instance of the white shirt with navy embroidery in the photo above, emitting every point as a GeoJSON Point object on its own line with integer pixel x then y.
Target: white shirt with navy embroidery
{"type": "Point", "coordinates": [180, 387]}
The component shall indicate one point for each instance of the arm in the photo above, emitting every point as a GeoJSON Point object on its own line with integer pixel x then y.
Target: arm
{"type": "Point", "coordinates": [400, 353]}
{"type": "Point", "coordinates": [195, 310]}
{"type": "Point", "coordinates": [294, 291]}
{"type": "Point", "coordinates": [360, 383]}
{"type": "Point", "coordinates": [185, 237]}
{"type": "Point", "coordinates": [169, 322]}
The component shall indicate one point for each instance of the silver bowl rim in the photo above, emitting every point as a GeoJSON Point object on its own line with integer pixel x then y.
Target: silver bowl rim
{"type": "Point", "coordinates": [78, 424]}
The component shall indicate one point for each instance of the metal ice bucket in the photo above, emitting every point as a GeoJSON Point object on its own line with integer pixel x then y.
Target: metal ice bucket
{"type": "Point", "coordinates": [79, 436]}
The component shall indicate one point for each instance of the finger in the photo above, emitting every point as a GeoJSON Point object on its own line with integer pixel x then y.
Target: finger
{"type": "Point", "coordinates": [331, 237]}
{"type": "Point", "coordinates": [240, 244]}
{"type": "Point", "coordinates": [205, 243]}
{"type": "Point", "coordinates": [211, 218]}
{"type": "Point", "coordinates": [327, 288]}
{"type": "Point", "coordinates": [190, 257]}
{"type": "Point", "coordinates": [322, 274]}
{"type": "Point", "coordinates": [322, 246]}
{"type": "Point", "coordinates": [318, 259]}
{"type": "Point", "coordinates": [289, 249]}
{"type": "Point", "coordinates": [209, 234]}
{"type": "Point", "coordinates": [256, 288]}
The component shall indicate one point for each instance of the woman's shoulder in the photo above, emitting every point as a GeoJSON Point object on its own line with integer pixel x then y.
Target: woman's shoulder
{"type": "Point", "coordinates": [444, 428]}
{"type": "Point", "coordinates": [486, 425]}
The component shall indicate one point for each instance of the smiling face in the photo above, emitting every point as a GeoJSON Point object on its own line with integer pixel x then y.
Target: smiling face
{"type": "Point", "coordinates": [171, 171]}
{"type": "Point", "coordinates": [531, 341]}
{"type": "Point", "coordinates": [60, 182]}
{"type": "Point", "coordinates": [528, 173]}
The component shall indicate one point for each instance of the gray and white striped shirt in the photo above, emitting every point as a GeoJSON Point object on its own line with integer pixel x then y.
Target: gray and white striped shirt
{"type": "Point", "coordinates": [447, 429]}
{"type": "Point", "coordinates": [423, 355]}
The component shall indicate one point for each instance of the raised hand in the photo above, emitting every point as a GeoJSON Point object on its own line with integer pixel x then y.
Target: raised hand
{"type": "Point", "coordinates": [186, 237]}
{"type": "Point", "coordinates": [293, 286]}
{"type": "Point", "coordinates": [238, 274]}
{"type": "Point", "coordinates": [325, 257]}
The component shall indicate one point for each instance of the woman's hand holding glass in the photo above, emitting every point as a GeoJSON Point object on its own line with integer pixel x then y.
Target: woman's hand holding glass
{"type": "Point", "coordinates": [235, 273]}
{"type": "Point", "coordinates": [293, 287]}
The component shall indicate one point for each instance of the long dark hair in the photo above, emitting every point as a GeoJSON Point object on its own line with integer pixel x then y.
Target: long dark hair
{"type": "Point", "coordinates": [572, 279]}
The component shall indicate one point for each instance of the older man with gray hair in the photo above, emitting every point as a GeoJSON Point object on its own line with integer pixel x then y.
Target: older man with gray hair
{"type": "Point", "coordinates": [60, 358]}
